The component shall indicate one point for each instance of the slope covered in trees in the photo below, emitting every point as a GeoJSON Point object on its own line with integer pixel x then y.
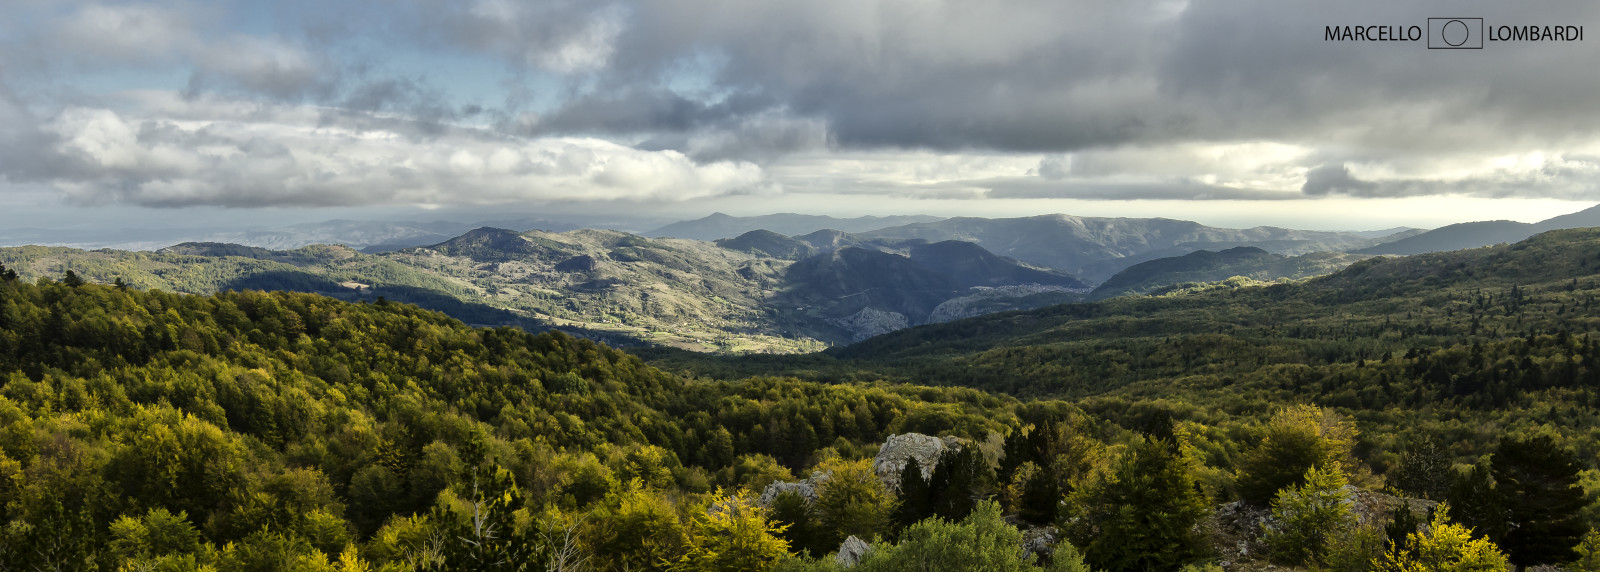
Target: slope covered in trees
{"type": "Point", "coordinates": [266, 431]}
{"type": "Point", "coordinates": [245, 430]}
{"type": "Point", "coordinates": [1203, 266]}
{"type": "Point", "coordinates": [1482, 233]}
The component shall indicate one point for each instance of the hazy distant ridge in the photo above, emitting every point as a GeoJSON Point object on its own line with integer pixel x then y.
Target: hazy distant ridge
{"type": "Point", "coordinates": [719, 225]}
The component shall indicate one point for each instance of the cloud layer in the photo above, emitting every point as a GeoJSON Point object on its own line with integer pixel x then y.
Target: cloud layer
{"type": "Point", "coordinates": [484, 101]}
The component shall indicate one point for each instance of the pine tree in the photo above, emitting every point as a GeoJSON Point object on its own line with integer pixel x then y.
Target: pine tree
{"type": "Point", "coordinates": [958, 475]}
{"type": "Point", "coordinates": [1538, 482]}
{"type": "Point", "coordinates": [71, 279]}
{"type": "Point", "coordinates": [1306, 517]}
{"type": "Point", "coordinates": [1015, 452]}
{"type": "Point", "coordinates": [1476, 503]}
{"type": "Point", "coordinates": [1424, 470]}
{"type": "Point", "coordinates": [1144, 515]}
{"type": "Point", "coordinates": [799, 521]}
{"type": "Point", "coordinates": [916, 502]}
{"type": "Point", "coordinates": [1038, 498]}
{"type": "Point", "coordinates": [1402, 524]}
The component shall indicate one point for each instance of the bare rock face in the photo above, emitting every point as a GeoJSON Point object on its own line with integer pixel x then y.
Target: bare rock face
{"type": "Point", "coordinates": [1039, 541]}
{"type": "Point", "coordinates": [871, 322]}
{"type": "Point", "coordinates": [851, 551]}
{"type": "Point", "coordinates": [900, 449]}
{"type": "Point", "coordinates": [807, 489]}
{"type": "Point", "coordinates": [983, 300]}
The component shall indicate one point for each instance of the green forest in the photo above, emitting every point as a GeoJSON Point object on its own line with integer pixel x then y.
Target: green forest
{"type": "Point", "coordinates": [1436, 412]}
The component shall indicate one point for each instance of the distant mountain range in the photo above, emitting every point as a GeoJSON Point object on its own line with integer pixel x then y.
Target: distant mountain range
{"type": "Point", "coordinates": [761, 292]}
{"type": "Point", "coordinates": [719, 226]}
{"type": "Point", "coordinates": [1479, 234]}
{"type": "Point", "coordinates": [1095, 248]}
{"type": "Point", "coordinates": [366, 235]}
{"type": "Point", "coordinates": [375, 236]}
{"type": "Point", "coordinates": [1222, 342]}
{"type": "Point", "coordinates": [757, 291]}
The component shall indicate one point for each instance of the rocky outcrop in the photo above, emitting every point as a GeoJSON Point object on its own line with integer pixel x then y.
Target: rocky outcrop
{"type": "Point", "coordinates": [1039, 541]}
{"type": "Point", "coordinates": [989, 300]}
{"type": "Point", "coordinates": [1237, 528]}
{"type": "Point", "coordinates": [851, 551]}
{"type": "Point", "coordinates": [871, 322]}
{"type": "Point", "coordinates": [807, 489]}
{"type": "Point", "coordinates": [900, 449]}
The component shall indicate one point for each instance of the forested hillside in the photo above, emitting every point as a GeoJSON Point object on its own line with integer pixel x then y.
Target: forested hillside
{"type": "Point", "coordinates": [1203, 266]}
{"type": "Point", "coordinates": [249, 430]}
{"type": "Point", "coordinates": [269, 431]}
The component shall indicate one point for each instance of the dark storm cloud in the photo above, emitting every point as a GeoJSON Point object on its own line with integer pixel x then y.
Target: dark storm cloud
{"type": "Point", "coordinates": [1329, 179]}
{"type": "Point", "coordinates": [728, 81]}
{"type": "Point", "coordinates": [1024, 75]}
{"type": "Point", "coordinates": [1056, 76]}
{"type": "Point", "coordinates": [1563, 178]}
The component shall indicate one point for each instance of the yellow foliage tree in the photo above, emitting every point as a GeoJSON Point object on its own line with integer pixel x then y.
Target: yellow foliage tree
{"type": "Point", "coordinates": [1295, 440]}
{"type": "Point", "coordinates": [1444, 546]}
{"type": "Point", "coordinates": [733, 534]}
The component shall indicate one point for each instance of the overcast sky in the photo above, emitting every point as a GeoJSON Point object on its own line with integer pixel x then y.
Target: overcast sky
{"type": "Point", "coordinates": [1230, 112]}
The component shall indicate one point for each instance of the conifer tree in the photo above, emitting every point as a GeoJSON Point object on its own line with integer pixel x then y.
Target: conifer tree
{"type": "Point", "coordinates": [1306, 517]}
{"type": "Point", "coordinates": [1424, 470]}
{"type": "Point", "coordinates": [1476, 504]}
{"type": "Point", "coordinates": [1538, 482]}
{"type": "Point", "coordinates": [957, 476]}
{"type": "Point", "coordinates": [798, 520]}
{"type": "Point", "coordinates": [1143, 516]}
{"type": "Point", "coordinates": [916, 501]}
{"type": "Point", "coordinates": [1014, 453]}
{"type": "Point", "coordinates": [1037, 496]}
{"type": "Point", "coordinates": [1402, 524]}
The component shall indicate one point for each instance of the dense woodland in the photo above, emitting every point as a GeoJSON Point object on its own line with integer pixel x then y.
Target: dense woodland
{"type": "Point", "coordinates": [1432, 413]}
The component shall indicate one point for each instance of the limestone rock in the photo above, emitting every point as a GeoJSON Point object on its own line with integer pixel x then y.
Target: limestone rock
{"type": "Point", "coordinates": [900, 449]}
{"type": "Point", "coordinates": [807, 489]}
{"type": "Point", "coordinates": [851, 551]}
{"type": "Point", "coordinates": [1040, 541]}
{"type": "Point", "coordinates": [871, 322]}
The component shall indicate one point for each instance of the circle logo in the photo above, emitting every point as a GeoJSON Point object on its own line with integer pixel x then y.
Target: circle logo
{"type": "Point", "coordinates": [1455, 33]}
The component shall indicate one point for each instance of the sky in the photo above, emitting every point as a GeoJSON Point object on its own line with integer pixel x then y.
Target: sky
{"type": "Point", "coordinates": [136, 116]}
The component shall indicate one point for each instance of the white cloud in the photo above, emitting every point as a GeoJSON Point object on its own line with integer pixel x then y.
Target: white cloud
{"type": "Point", "coordinates": [234, 161]}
